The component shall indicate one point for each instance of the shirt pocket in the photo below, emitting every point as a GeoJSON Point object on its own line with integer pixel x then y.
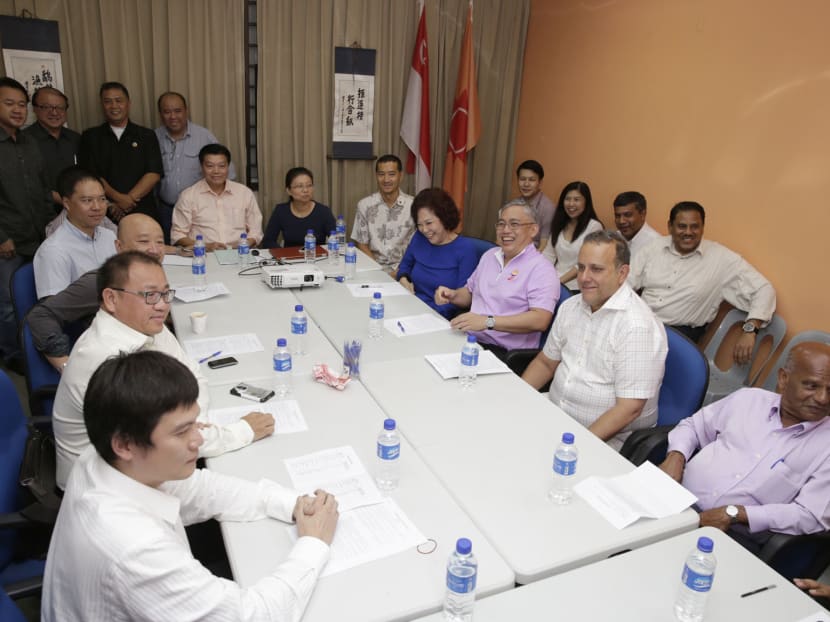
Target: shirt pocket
{"type": "Point", "coordinates": [779, 485]}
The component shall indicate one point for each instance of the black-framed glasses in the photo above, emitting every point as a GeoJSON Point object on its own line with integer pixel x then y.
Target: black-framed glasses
{"type": "Point", "coordinates": [150, 298]}
{"type": "Point", "coordinates": [53, 108]}
{"type": "Point", "coordinates": [513, 225]}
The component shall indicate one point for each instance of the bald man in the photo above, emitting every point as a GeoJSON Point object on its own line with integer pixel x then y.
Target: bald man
{"type": "Point", "coordinates": [73, 308]}
{"type": "Point", "coordinates": [763, 463]}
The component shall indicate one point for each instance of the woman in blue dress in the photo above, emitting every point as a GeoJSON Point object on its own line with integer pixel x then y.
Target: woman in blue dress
{"type": "Point", "coordinates": [436, 255]}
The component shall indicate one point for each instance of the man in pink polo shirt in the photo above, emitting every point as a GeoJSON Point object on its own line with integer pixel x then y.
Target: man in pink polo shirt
{"type": "Point", "coordinates": [513, 291]}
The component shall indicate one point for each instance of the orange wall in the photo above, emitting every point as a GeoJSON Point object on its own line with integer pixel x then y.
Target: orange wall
{"type": "Point", "coordinates": [723, 102]}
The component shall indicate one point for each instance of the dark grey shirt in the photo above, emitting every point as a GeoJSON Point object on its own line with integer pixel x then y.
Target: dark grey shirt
{"type": "Point", "coordinates": [25, 200]}
{"type": "Point", "coordinates": [69, 312]}
{"type": "Point", "coordinates": [58, 153]}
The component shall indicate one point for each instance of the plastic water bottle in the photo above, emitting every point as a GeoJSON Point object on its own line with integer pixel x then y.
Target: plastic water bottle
{"type": "Point", "coordinates": [310, 246]}
{"type": "Point", "coordinates": [351, 261]}
{"type": "Point", "coordinates": [282, 368]}
{"type": "Point", "coordinates": [244, 251]}
{"type": "Point", "coordinates": [462, 569]}
{"type": "Point", "coordinates": [198, 266]}
{"type": "Point", "coordinates": [696, 582]}
{"type": "Point", "coordinates": [469, 363]}
{"type": "Point", "coordinates": [341, 234]}
{"type": "Point", "coordinates": [389, 455]}
{"type": "Point", "coordinates": [299, 330]}
{"type": "Point", "coordinates": [564, 470]}
{"type": "Point", "coordinates": [332, 247]}
{"type": "Point", "coordinates": [376, 316]}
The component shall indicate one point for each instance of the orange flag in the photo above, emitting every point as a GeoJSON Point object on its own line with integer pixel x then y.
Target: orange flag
{"type": "Point", "coordinates": [465, 123]}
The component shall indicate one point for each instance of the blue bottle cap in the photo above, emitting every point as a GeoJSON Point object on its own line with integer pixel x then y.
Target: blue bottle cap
{"type": "Point", "coordinates": [471, 338]}
{"type": "Point", "coordinates": [199, 237]}
{"type": "Point", "coordinates": [463, 546]}
{"type": "Point", "coordinates": [568, 438]}
{"type": "Point", "coordinates": [332, 232]}
{"type": "Point", "coordinates": [298, 307]}
{"type": "Point", "coordinates": [377, 296]}
{"type": "Point", "coordinates": [281, 343]}
{"type": "Point", "coordinates": [705, 544]}
{"type": "Point", "coordinates": [388, 424]}
{"type": "Point", "coordinates": [351, 244]}
{"type": "Point", "coordinates": [244, 235]}
{"type": "Point", "coordinates": [311, 231]}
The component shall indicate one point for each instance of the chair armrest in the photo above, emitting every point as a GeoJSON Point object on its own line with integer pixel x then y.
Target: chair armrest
{"type": "Point", "coordinates": [13, 520]}
{"type": "Point", "coordinates": [641, 443]}
{"type": "Point", "coordinates": [24, 588]}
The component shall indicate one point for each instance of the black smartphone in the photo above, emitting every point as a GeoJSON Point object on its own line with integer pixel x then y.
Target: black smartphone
{"type": "Point", "coordinates": [225, 362]}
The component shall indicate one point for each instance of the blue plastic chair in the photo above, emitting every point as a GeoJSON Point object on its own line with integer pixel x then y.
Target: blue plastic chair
{"type": "Point", "coordinates": [481, 245]}
{"type": "Point", "coordinates": [41, 378]}
{"type": "Point", "coordinates": [8, 610]}
{"type": "Point", "coordinates": [24, 293]}
{"type": "Point", "coordinates": [685, 381]}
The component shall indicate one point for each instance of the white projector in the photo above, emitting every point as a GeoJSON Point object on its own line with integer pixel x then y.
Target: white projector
{"type": "Point", "coordinates": [298, 275]}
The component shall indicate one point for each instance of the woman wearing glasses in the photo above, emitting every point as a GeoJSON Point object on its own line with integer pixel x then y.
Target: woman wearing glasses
{"type": "Point", "coordinates": [436, 255]}
{"type": "Point", "coordinates": [574, 219]}
{"type": "Point", "coordinates": [301, 213]}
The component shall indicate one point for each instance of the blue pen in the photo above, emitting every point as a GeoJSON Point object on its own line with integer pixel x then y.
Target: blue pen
{"type": "Point", "coordinates": [776, 462]}
{"type": "Point", "coordinates": [401, 327]}
{"type": "Point", "coordinates": [207, 358]}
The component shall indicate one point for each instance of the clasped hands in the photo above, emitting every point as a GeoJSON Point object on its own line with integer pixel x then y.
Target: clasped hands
{"type": "Point", "coordinates": [316, 516]}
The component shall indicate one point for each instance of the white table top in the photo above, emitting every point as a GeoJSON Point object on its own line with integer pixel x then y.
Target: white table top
{"type": "Point", "coordinates": [493, 448]}
{"type": "Point", "coordinates": [394, 588]}
{"type": "Point", "coordinates": [641, 585]}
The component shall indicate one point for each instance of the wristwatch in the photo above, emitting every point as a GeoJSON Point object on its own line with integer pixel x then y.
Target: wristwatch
{"type": "Point", "coordinates": [732, 513]}
{"type": "Point", "coordinates": [490, 322]}
{"type": "Point", "coordinates": [749, 327]}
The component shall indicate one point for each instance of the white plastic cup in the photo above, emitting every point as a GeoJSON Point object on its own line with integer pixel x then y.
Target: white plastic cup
{"type": "Point", "coordinates": [198, 322]}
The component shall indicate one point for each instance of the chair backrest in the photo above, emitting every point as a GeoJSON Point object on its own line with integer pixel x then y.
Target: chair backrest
{"type": "Point", "coordinates": [41, 378]}
{"type": "Point", "coordinates": [481, 245]}
{"type": "Point", "coordinates": [24, 293]}
{"type": "Point", "coordinates": [9, 612]}
{"type": "Point", "coordinates": [684, 382]}
{"type": "Point", "coordinates": [564, 294]}
{"type": "Point", "coordinates": [13, 434]}
{"type": "Point", "coordinates": [771, 382]}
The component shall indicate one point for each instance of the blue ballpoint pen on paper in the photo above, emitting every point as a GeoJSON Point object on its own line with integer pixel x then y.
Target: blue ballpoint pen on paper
{"type": "Point", "coordinates": [207, 358]}
{"type": "Point", "coordinates": [776, 462]}
{"type": "Point", "coordinates": [401, 327]}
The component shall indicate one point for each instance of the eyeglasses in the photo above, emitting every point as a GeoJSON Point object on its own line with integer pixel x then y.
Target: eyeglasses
{"type": "Point", "coordinates": [513, 225]}
{"type": "Point", "coordinates": [150, 298]}
{"type": "Point", "coordinates": [52, 108]}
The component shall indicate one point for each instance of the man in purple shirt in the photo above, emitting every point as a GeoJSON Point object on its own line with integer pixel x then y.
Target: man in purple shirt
{"type": "Point", "coordinates": [513, 291]}
{"type": "Point", "coordinates": [764, 459]}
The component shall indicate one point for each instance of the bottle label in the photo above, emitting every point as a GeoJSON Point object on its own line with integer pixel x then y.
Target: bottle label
{"type": "Point", "coordinates": [299, 327]}
{"type": "Point", "coordinates": [696, 582]}
{"type": "Point", "coordinates": [376, 312]}
{"type": "Point", "coordinates": [351, 257]}
{"type": "Point", "coordinates": [564, 467]}
{"type": "Point", "coordinates": [244, 250]}
{"type": "Point", "coordinates": [389, 452]}
{"type": "Point", "coordinates": [198, 270]}
{"type": "Point", "coordinates": [282, 364]}
{"type": "Point", "coordinates": [198, 251]}
{"type": "Point", "coordinates": [469, 359]}
{"type": "Point", "coordinates": [461, 585]}
{"type": "Point", "coordinates": [310, 245]}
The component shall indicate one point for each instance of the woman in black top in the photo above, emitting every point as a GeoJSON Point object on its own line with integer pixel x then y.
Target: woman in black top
{"type": "Point", "coordinates": [294, 218]}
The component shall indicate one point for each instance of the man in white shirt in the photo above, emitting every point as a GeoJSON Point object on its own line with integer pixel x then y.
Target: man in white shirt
{"type": "Point", "coordinates": [219, 209]}
{"type": "Point", "coordinates": [119, 550]}
{"type": "Point", "coordinates": [80, 244]}
{"type": "Point", "coordinates": [135, 300]}
{"type": "Point", "coordinates": [383, 225]}
{"type": "Point", "coordinates": [606, 351]}
{"type": "Point", "coordinates": [630, 218]}
{"type": "Point", "coordinates": [684, 279]}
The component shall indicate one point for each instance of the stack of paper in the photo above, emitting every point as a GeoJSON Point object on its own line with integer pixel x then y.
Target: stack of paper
{"type": "Point", "coordinates": [189, 293]}
{"type": "Point", "coordinates": [228, 345]}
{"type": "Point", "coordinates": [416, 324]}
{"type": "Point", "coordinates": [646, 492]}
{"type": "Point", "coordinates": [367, 290]}
{"type": "Point", "coordinates": [449, 365]}
{"type": "Point", "coordinates": [288, 418]}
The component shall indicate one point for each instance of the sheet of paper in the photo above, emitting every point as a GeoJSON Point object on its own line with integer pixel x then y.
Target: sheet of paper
{"type": "Point", "coordinates": [227, 345]}
{"type": "Point", "coordinates": [288, 418]}
{"type": "Point", "coordinates": [189, 293]}
{"type": "Point", "coordinates": [369, 533]}
{"type": "Point", "coordinates": [226, 256]}
{"type": "Point", "coordinates": [449, 365]}
{"type": "Point", "coordinates": [416, 324]}
{"type": "Point", "coordinates": [177, 260]}
{"type": "Point", "coordinates": [338, 471]}
{"type": "Point", "coordinates": [645, 492]}
{"type": "Point", "coordinates": [367, 290]}
{"type": "Point", "coordinates": [819, 616]}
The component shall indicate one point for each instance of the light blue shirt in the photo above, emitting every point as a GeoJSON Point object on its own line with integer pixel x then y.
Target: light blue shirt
{"type": "Point", "coordinates": [181, 160]}
{"type": "Point", "coordinates": [67, 254]}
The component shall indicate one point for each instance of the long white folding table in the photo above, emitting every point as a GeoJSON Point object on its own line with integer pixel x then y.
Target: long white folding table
{"type": "Point", "coordinates": [641, 585]}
